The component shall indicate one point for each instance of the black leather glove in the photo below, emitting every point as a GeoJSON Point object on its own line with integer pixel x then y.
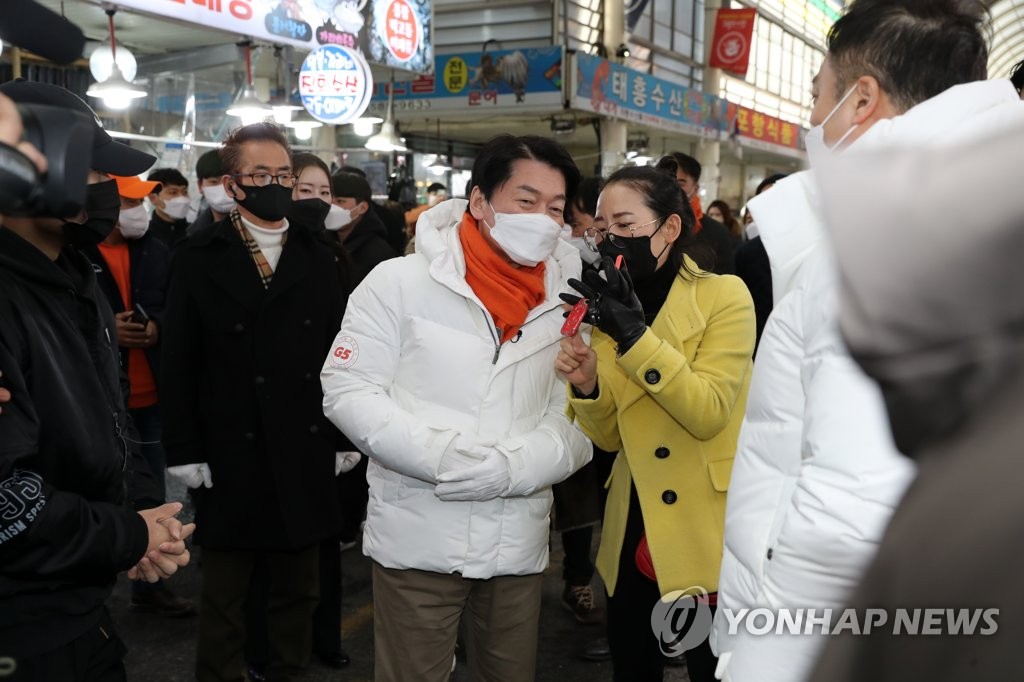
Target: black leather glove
{"type": "Point", "coordinates": [614, 308]}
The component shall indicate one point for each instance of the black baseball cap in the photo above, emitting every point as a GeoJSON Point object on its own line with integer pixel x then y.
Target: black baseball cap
{"type": "Point", "coordinates": [108, 156]}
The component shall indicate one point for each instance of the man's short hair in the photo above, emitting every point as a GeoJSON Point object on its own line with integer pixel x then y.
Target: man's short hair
{"type": "Point", "coordinates": [209, 165]}
{"type": "Point", "coordinates": [167, 176]}
{"type": "Point", "coordinates": [1017, 76]}
{"type": "Point", "coordinates": [915, 49]}
{"type": "Point", "coordinates": [436, 187]}
{"type": "Point", "coordinates": [670, 163]}
{"type": "Point", "coordinates": [769, 181]}
{"type": "Point", "coordinates": [352, 169]}
{"type": "Point", "coordinates": [231, 152]}
{"type": "Point", "coordinates": [351, 186]}
{"type": "Point", "coordinates": [493, 165]}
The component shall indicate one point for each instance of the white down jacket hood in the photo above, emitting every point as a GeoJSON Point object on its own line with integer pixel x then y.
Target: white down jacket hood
{"type": "Point", "coordinates": [417, 363]}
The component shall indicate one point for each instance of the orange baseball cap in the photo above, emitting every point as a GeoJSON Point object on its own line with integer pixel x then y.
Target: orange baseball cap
{"type": "Point", "coordinates": [134, 187]}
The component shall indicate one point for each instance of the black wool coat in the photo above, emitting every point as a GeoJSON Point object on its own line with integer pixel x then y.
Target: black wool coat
{"type": "Point", "coordinates": [240, 388]}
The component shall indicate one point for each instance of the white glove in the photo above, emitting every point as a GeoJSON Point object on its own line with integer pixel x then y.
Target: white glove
{"type": "Point", "coordinates": [478, 483]}
{"type": "Point", "coordinates": [345, 462]}
{"type": "Point", "coordinates": [462, 453]}
{"type": "Point", "coordinates": [193, 475]}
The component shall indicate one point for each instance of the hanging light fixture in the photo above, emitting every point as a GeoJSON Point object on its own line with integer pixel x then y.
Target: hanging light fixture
{"type": "Point", "coordinates": [439, 166]}
{"type": "Point", "coordinates": [303, 124]}
{"type": "Point", "coordinates": [115, 90]}
{"type": "Point", "coordinates": [387, 139]}
{"type": "Point", "coordinates": [280, 104]}
{"type": "Point", "coordinates": [363, 126]}
{"type": "Point", "coordinates": [249, 107]}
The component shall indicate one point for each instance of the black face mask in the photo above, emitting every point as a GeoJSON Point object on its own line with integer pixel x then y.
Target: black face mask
{"type": "Point", "coordinates": [269, 203]}
{"type": "Point", "coordinates": [103, 208]}
{"type": "Point", "coordinates": [636, 252]}
{"type": "Point", "coordinates": [309, 213]}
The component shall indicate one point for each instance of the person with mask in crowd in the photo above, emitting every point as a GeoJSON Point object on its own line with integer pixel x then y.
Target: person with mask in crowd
{"type": "Point", "coordinates": [312, 205]}
{"type": "Point", "coordinates": [720, 211]}
{"type": "Point", "coordinates": [68, 477]}
{"type": "Point", "coordinates": [436, 193]}
{"type": "Point", "coordinates": [390, 212]}
{"type": "Point", "coordinates": [216, 204]}
{"type": "Point", "coordinates": [170, 206]}
{"type": "Point", "coordinates": [753, 268]}
{"type": "Point", "coordinates": [132, 269]}
{"type": "Point", "coordinates": [817, 475]}
{"type": "Point", "coordinates": [253, 307]}
{"type": "Point", "coordinates": [361, 231]}
{"type": "Point", "coordinates": [948, 360]}
{"type": "Point", "coordinates": [442, 375]}
{"type": "Point", "coordinates": [664, 384]}
{"type": "Point", "coordinates": [713, 247]}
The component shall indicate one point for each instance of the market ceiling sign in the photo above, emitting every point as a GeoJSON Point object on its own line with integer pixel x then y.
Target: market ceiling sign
{"type": "Point", "coordinates": [618, 92]}
{"type": "Point", "coordinates": [474, 83]}
{"type": "Point", "coordinates": [392, 33]}
{"type": "Point", "coordinates": [335, 84]}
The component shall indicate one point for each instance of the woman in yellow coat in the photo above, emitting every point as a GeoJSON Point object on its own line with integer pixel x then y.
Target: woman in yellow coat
{"type": "Point", "coordinates": [665, 385]}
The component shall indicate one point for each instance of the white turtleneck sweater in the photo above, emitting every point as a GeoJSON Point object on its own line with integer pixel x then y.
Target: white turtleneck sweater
{"type": "Point", "coordinates": [269, 241]}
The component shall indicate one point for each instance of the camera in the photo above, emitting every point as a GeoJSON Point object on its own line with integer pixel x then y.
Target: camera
{"type": "Point", "coordinates": [65, 138]}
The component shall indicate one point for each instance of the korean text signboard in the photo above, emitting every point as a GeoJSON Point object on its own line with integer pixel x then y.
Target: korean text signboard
{"type": "Point", "coordinates": [335, 84]}
{"type": "Point", "coordinates": [616, 91]}
{"type": "Point", "coordinates": [394, 33]}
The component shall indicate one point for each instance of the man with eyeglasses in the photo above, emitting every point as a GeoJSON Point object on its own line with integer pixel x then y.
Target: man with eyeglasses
{"type": "Point", "coordinates": [253, 306]}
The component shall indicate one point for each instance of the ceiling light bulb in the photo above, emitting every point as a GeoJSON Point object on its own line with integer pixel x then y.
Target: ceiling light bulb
{"type": "Point", "coordinates": [362, 128]}
{"type": "Point", "coordinates": [101, 62]}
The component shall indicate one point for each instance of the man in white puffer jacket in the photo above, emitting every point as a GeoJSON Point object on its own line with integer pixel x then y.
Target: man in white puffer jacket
{"type": "Point", "coordinates": [442, 374]}
{"type": "Point", "coordinates": [817, 476]}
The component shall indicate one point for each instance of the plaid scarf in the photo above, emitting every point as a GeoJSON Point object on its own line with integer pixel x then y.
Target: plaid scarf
{"type": "Point", "coordinates": [266, 272]}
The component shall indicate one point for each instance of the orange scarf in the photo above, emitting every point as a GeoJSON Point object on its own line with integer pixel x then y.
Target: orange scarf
{"type": "Point", "coordinates": [508, 293]}
{"type": "Point", "coordinates": [698, 211]}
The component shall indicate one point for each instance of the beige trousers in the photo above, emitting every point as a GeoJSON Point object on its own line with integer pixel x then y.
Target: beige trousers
{"type": "Point", "coordinates": [416, 616]}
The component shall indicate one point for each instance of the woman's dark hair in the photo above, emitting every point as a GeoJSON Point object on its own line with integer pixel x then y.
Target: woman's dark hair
{"type": "Point", "coordinates": [728, 219]}
{"type": "Point", "coordinates": [303, 160]}
{"type": "Point", "coordinates": [493, 165]}
{"type": "Point", "coordinates": [1017, 76]}
{"type": "Point", "coordinates": [662, 195]}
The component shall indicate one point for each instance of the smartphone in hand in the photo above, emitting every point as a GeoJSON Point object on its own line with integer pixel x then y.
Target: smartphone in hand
{"type": "Point", "coordinates": [139, 315]}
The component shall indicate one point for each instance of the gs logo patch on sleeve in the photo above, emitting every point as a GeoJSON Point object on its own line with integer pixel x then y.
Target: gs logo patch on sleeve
{"type": "Point", "coordinates": [345, 353]}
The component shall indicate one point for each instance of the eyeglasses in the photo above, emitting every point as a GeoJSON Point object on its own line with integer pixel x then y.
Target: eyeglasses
{"type": "Point", "coordinates": [593, 236]}
{"type": "Point", "coordinates": [264, 179]}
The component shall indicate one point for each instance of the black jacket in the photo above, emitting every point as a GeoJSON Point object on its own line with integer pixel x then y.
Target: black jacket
{"type": "Point", "coordinates": [713, 252]}
{"type": "Point", "coordinates": [149, 264]}
{"type": "Point", "coordinates": [170, 234]}
{"type": "Point", "coordinates": [66, 527]}
{"type": "Point", "coordinates": [368, 246]}
{"type": "Point", "coordinates": [240, 388]}
{"type": "Point", "coordinates": [754, 268]}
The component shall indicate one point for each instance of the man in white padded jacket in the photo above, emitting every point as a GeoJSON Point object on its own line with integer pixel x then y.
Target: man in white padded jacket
{"type": "Point", "coordinates": [442, 374]}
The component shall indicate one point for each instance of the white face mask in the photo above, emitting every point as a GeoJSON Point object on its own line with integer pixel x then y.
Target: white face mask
{"type": "Point", "coordinates": [218, 199]}
{"type": "Point", "coordinates": [176, 208]}
{"type": "Point", "coordinates": [527, 238]}
{"type": "Point", "coordinates": [566, 233]}
{"type": "Point", "coordinates": [589, 256]}
{"type": "Point", "coordinates": [815, 140]}
{"type": "Point", "coordinates": [337, 218]}
{"type": "Point", "coordinates": [133, 222]}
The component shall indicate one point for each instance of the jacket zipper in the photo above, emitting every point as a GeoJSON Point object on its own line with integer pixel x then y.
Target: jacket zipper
{"type": "Point", "coordinates": [494, 335]}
